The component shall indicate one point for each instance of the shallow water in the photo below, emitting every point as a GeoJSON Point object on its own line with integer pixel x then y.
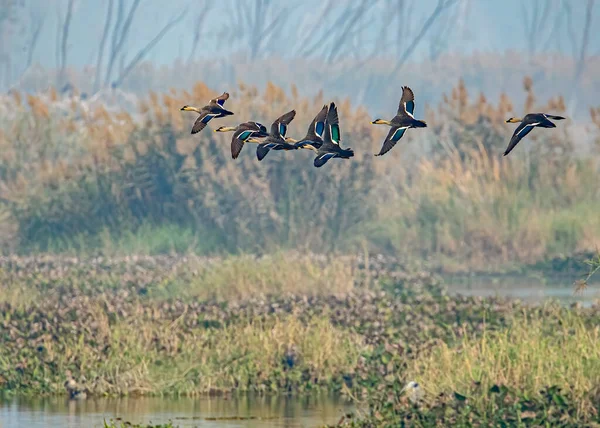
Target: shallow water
{"type": "Point", "coordinates": [245, 411]}
{"type": "Point", "coordinates": [526, 289]}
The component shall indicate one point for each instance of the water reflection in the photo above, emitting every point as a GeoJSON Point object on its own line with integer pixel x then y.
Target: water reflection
{"type": "Point", "coordinates": [260, 411]}
{"type": "Point", "coordinates": [526, 288]}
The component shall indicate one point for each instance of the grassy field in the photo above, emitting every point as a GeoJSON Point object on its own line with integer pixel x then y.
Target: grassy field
{"type": "Point", "coordinates": [190, 325]}
{"type": "Point", "coordinates": [89, 181]}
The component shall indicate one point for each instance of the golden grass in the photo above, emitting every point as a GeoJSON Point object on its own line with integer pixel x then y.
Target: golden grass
{"type": "Point", "coordinates": [85, 177]}
{"type": "Point", "coordinates": [271, 354]}
{"type": "Point", "coordinates": [533, 354]}
{"type": "Point", "coordinates": [240, 277]}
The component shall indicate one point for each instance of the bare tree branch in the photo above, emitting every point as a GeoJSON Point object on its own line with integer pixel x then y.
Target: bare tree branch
{"type": "Point", "coordinates": [357, 14]}
{"type": "Point", "coordinates": [57, 39]}
{"type": "Point", "coordinates": [103, 39]}
{"type": "Point", "coordinates": [536, 22]}
{"type": "Point", "coordinates": [316, 22]}
{"type": "Point", "coordinates": [197, 26]}
{"type": "Point", "coordinates": [37, 23]}
{"type": "Point", "coordinates": [585, 38]}
{"type": "Point", "coordinates": [441, 6]}
{"type": "Point", "coordinates": [326, 34]}
{"type": "Point", "coordinates": [255, 38]}
{"type": "Point", "coordinates": [120, 33]}
{"type": "Point", "coordinates": [554, 31]}
{"type": "Point", "coordinates": [144, 51]}
{"type": "Point", "coordinates": [65, 37]}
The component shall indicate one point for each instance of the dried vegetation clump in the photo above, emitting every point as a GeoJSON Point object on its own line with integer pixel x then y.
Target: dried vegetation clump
{"type": "Point", "coordinates": [81, 178]}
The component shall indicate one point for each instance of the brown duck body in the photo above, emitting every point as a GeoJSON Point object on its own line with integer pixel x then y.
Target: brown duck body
{"type": "Point", "coordinates": [530, 121]}
{"type": "Point", "coordinates": [242, 134]}
{"type": "Point", "coordinates": [331, 140]}
{"type": "Point", "coordinates": [214, 109]}
{"type": "Point", "coordinates": [403, 120]}
{"type": "Point", "coordinates": [276, 139]}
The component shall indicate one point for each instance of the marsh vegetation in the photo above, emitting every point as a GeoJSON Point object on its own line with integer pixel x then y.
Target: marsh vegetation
{"type": "Point", "coordinates": [193, 325]}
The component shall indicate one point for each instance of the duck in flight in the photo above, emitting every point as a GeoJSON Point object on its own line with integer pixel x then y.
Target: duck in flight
{"type": "Point", "coordinates": [242, 133]}
{"type": "Point", "coordinates": [529, 122]}
{"type": "Point", "coordinates": [403, 120]}
{"type": "Point", "coordinates": [213, 109]}
{"type": "Point", "coordinates": [276, 139]}
{"type": "Point", "coordinates": [330, 148]}
{"type": "Point", "coordinates": [314, 134]}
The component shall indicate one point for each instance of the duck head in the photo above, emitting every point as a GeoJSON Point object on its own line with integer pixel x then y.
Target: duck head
{"type": "Point", "coordinates": [225, 129]}
{"type": "Point", "coordinates": [380, 122]}
{"type": "Point", "coordinates": [514, 120]}
{"type": "Point", "coordinates": [190, 108]}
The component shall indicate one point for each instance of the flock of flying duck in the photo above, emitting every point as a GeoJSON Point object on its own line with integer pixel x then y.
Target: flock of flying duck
{"type": "Point", "coordinates": [324, 136]}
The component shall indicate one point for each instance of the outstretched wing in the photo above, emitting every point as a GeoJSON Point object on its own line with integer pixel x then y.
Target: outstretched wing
{"type": "Point", "coordinates": [331, 134]}
{"type": "Point", "coordinates": [317, 126]}
{"type": "Point", "coordinates": [522, 130]}
{"type": "Point", "coordinates": [202, 120]}
{"type": "Point", "coordinates": [239, 139]}
{"type": "Point", "coordinates": [220, 99]}
{"type": "Point", "coordinates": [279, 127]}
{"type": "Point", "coordinates": [259, 126]}
{"type": "Point", "coordinates": [261, 151]}
{"type": "Point", "coordinates": [322, 159]}
{"type": "Point", "coordinates": [390, 141]}
{"type": "Point", "coordinates": [406, 107]}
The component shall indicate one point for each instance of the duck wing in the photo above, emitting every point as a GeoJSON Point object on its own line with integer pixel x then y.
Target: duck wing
{"type": "Point", "coordinates": [406, 106]}
{"type": "Point", "coordinates": [241, 134]}
{"type": "Point", "coordinates": [220, 100]}
{"type": "Point", "coordinates": [261, 151]}
{"type": "Point", "coordinates": [202, 120]}
{"type": "Point", "coordinates": [259, 127]}
{"type": "Point", "coordinates": [279, 127]}
{"type": "Point", "coordinates": [317, 126]}
{"type": "Point", "coordinates": [331, 134]}
{"type": "Point", "coordinates": [322, 159]}
{"type": "Point", "coordinates": [390, 141]}
{"type": "Point", "coordinates": [522, 130]}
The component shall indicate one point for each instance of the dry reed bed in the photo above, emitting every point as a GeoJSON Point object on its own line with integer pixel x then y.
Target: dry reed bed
{"type": "Point", "coordinates": [91, 180]}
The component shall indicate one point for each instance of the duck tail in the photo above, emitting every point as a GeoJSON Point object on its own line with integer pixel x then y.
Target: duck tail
{"type": "Point", "coordinates": [555, 117]}
{"type": "Point", "coordinates": [347, 153]}
{"type": "Point", "coordinates": [419, 124]}
{"type": "Point", "coordinates": [224, 112]}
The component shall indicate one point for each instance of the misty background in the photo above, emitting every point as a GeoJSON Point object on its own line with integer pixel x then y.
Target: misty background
{"type": "Point", "coordinates": [360, 49]}
{"type": "Point", "coordinates": [96, 156]}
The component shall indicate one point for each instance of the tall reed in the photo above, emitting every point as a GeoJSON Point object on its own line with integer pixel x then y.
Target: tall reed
{"type": "Point", "coordinates": [86, 179]}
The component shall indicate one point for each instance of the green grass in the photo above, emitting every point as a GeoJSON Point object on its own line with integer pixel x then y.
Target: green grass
{"type": "Point", "coordinates": [530, 355]}
{"type": "Point", "coordinates": [288, 323]}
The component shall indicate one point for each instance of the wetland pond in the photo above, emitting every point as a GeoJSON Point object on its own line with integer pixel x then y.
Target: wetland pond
{"type": "Point", "coordinates": [248, 411]}
{"type": "Point", "coordinates": [529, 289]}
{"type": "Point", "coordinates": [251, 410]}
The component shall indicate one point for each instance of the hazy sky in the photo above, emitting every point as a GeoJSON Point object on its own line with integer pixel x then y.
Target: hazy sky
{"type": "Point", "coordinates": [485, 25]}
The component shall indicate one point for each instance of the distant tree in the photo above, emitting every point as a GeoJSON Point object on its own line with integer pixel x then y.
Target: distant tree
{"type": "Point", "coordinates": [36, 21]}
{"type": "Point", "coordinates": [541, 21]}
{"type": "Point", "coordinates": [198, 26]}
{"type": "Point", "coordinates": [64, 25]}
{"type": "Point", "coordinates": [256, 23]}
{"type": "Point", "coordinates": [9, 17]}
{"type": "Point", "coordinates": [118, 33]}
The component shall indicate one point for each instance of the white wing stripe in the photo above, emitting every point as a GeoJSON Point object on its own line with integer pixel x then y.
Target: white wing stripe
{"type": "Point", "coordinates": [531, 125]}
